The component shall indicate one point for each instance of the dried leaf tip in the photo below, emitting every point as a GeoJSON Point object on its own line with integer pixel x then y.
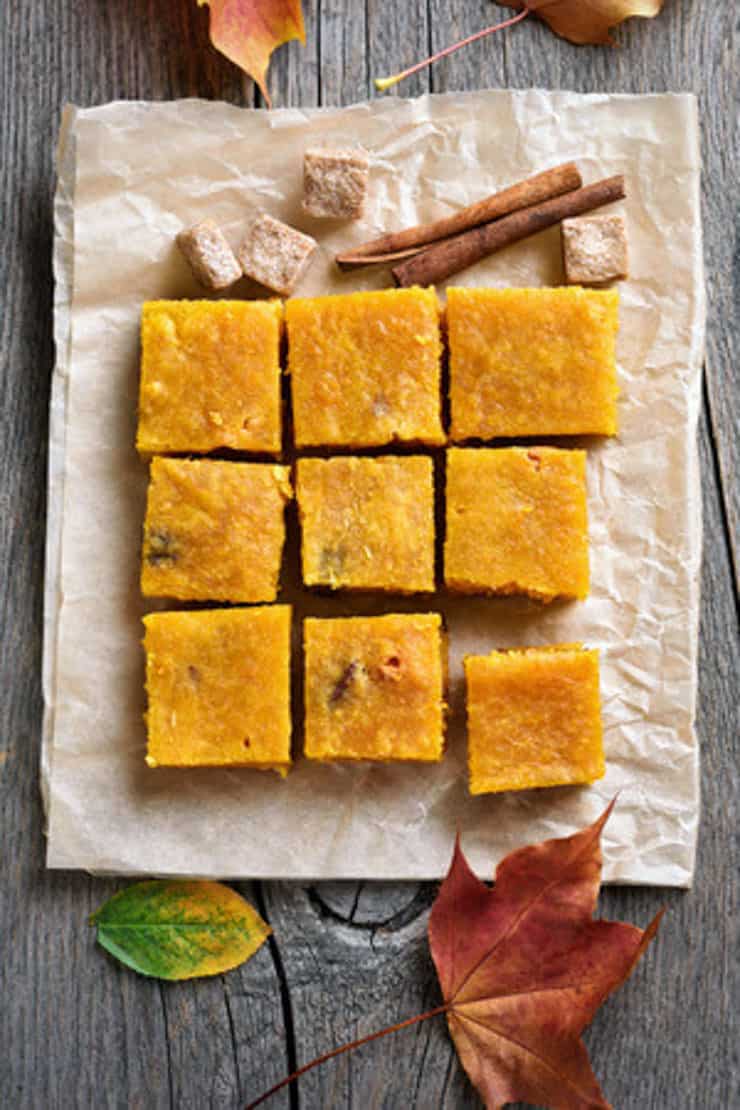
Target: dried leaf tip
{"type": "Point", "coordinates": [586, 22]}
{"type": "Point", "coordinates": [247, 32]}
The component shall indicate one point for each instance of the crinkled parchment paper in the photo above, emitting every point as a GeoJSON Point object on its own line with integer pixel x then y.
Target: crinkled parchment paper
{"type": "Point", "coordinates": [130, 176]}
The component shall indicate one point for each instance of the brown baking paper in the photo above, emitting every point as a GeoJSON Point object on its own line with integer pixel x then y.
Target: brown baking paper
{"type": "Point", "coordinates": [131, 175]}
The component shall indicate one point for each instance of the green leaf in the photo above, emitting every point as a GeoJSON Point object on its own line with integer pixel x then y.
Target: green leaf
{"type": "Point", "coordinates": [173, 929]}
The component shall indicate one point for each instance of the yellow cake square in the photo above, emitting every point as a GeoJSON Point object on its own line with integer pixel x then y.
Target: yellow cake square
{"type": "Point", "coordinates": [374, 688]}
{"type": "Point", "coordinates": [214, 531]}
{"type": "Point", "coordinates": [365, 368]}
{"type": "Point", "coordinates": [517, 522]}
{"type": "Point", "coordinates": [532, 362]}
{"type": "Point", "coordinates": [367, 524]}
{"type": "Point", "coordinates": [534, 718]}
{"type": "Point", "coordinates": [218, 685]}
{"type": "Point", "coordinates": [210, 376]}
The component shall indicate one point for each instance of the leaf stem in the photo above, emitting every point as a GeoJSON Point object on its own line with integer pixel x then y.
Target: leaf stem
{"type": "Point", "coordinates": [384, 83]}
{"type": "Point", "coordinates": [346, 1048]}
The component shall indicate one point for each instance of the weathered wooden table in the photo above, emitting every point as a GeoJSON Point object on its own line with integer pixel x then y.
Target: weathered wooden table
{"type": "Point", "coordinates": [77, 1030]}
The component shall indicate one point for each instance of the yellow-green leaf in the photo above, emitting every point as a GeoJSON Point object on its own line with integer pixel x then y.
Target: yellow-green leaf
{"type": "Point", "coordinates": [174, 929]}
{"type": "Point", "coordinates": [247, 32]}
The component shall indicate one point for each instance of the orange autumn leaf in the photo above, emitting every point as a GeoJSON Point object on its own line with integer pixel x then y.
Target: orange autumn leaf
{"type": "Point", "coordinates": [523, 968]}
{"type": "Point", "coordinates": [247, 32]}
{"type": "Point", "coordinates": [579, 21]}
{"type": "Point", "coordinates": [586, 21]}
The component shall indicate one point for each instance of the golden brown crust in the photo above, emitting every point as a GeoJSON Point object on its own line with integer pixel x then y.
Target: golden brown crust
{"type": "Point", "coordinates": [534, 718]}
{"type": "Point", "coordinates": [365, 368]}
{"type": "Point", "coordinates": [374, 688]}
{"type": "Point", "coordinates": [517, 522]}
{"type": "Point", "coordinates": [210, 376]}
{"type": "Point", "coordinates": [218, 685]}
{"type": "Point", "coordinates": [532, 362]}
{"type": "Point", "coordinates": [214, 531]}
{"type": "Point", "coordinates": [367, 524]}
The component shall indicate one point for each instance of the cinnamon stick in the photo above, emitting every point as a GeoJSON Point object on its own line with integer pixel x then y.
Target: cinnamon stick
{"type": "Point", "coordinates": [400, 244]}
{"type": "Point", "coordinates": [441, 260]}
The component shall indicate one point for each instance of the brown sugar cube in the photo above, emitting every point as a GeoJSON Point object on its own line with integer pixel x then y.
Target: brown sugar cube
{"type": "Point", "coordinates": [594, 250]}
{"type": "Point", "coordinates": [334, 183]}
{"type": "Point", "coordinates": [209, 256]}
{"type": "Point", "coordinates": [275, 254]}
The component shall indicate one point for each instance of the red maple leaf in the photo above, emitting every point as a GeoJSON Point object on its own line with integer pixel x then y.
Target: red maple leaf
{"type": "Point", "coordinates": [523, 968]}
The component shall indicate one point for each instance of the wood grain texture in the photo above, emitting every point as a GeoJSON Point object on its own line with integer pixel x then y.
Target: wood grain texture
{"type": "Point", "coordinates": [77, 1030]}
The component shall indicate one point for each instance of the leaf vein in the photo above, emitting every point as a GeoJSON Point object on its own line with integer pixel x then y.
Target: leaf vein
{"type": "Point", "coordinates": [527, 991]}
{"type": "Point", "coordinates": [528, 907]}
{"type": "Point", "coordinates": [536, 1055]}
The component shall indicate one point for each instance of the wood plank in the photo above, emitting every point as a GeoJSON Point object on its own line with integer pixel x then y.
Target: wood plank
{"type": "Point", "coordinates": [226, 1036]}
{"type": "Point", "coordinates": [77, 1029]}
{"type": "Point", "coordinates": [294, 71]}
{"type": "Point", "coordinates": [480, 65]}
{"type": "Point", "coordinates": [354, 978]}
{"type": "Point", "coordinates": [718, 92]}
{"type": "Point", "coordinates": [345, 78]}
{"type": "Point", "coordinates": [398, 35]}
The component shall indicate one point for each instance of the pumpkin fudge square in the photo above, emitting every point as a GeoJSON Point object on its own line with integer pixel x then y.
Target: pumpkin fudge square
{"type": "Point", "coordinates": [532, 362]}
{"type": "Point", "coordinates": [214, 531]}
{"type": "Point", "coordinates": [534, 718]}
{"type": "Point", "coordinates": [365, 368]}
{"type": "Point", "coordinates": [210, 377]}
{"type": "Point", "coordinates": [218, 686]}
{"type": "Point", "coordinates": [374, 688]}
{"type": "Point", "coordinates": [517, 522]}
{"type": "Point", "coordinates": [367, 524]}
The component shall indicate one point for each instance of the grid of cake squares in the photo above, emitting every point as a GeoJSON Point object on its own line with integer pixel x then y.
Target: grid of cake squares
{"type": "Point", "coordinates": [365, 372]}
